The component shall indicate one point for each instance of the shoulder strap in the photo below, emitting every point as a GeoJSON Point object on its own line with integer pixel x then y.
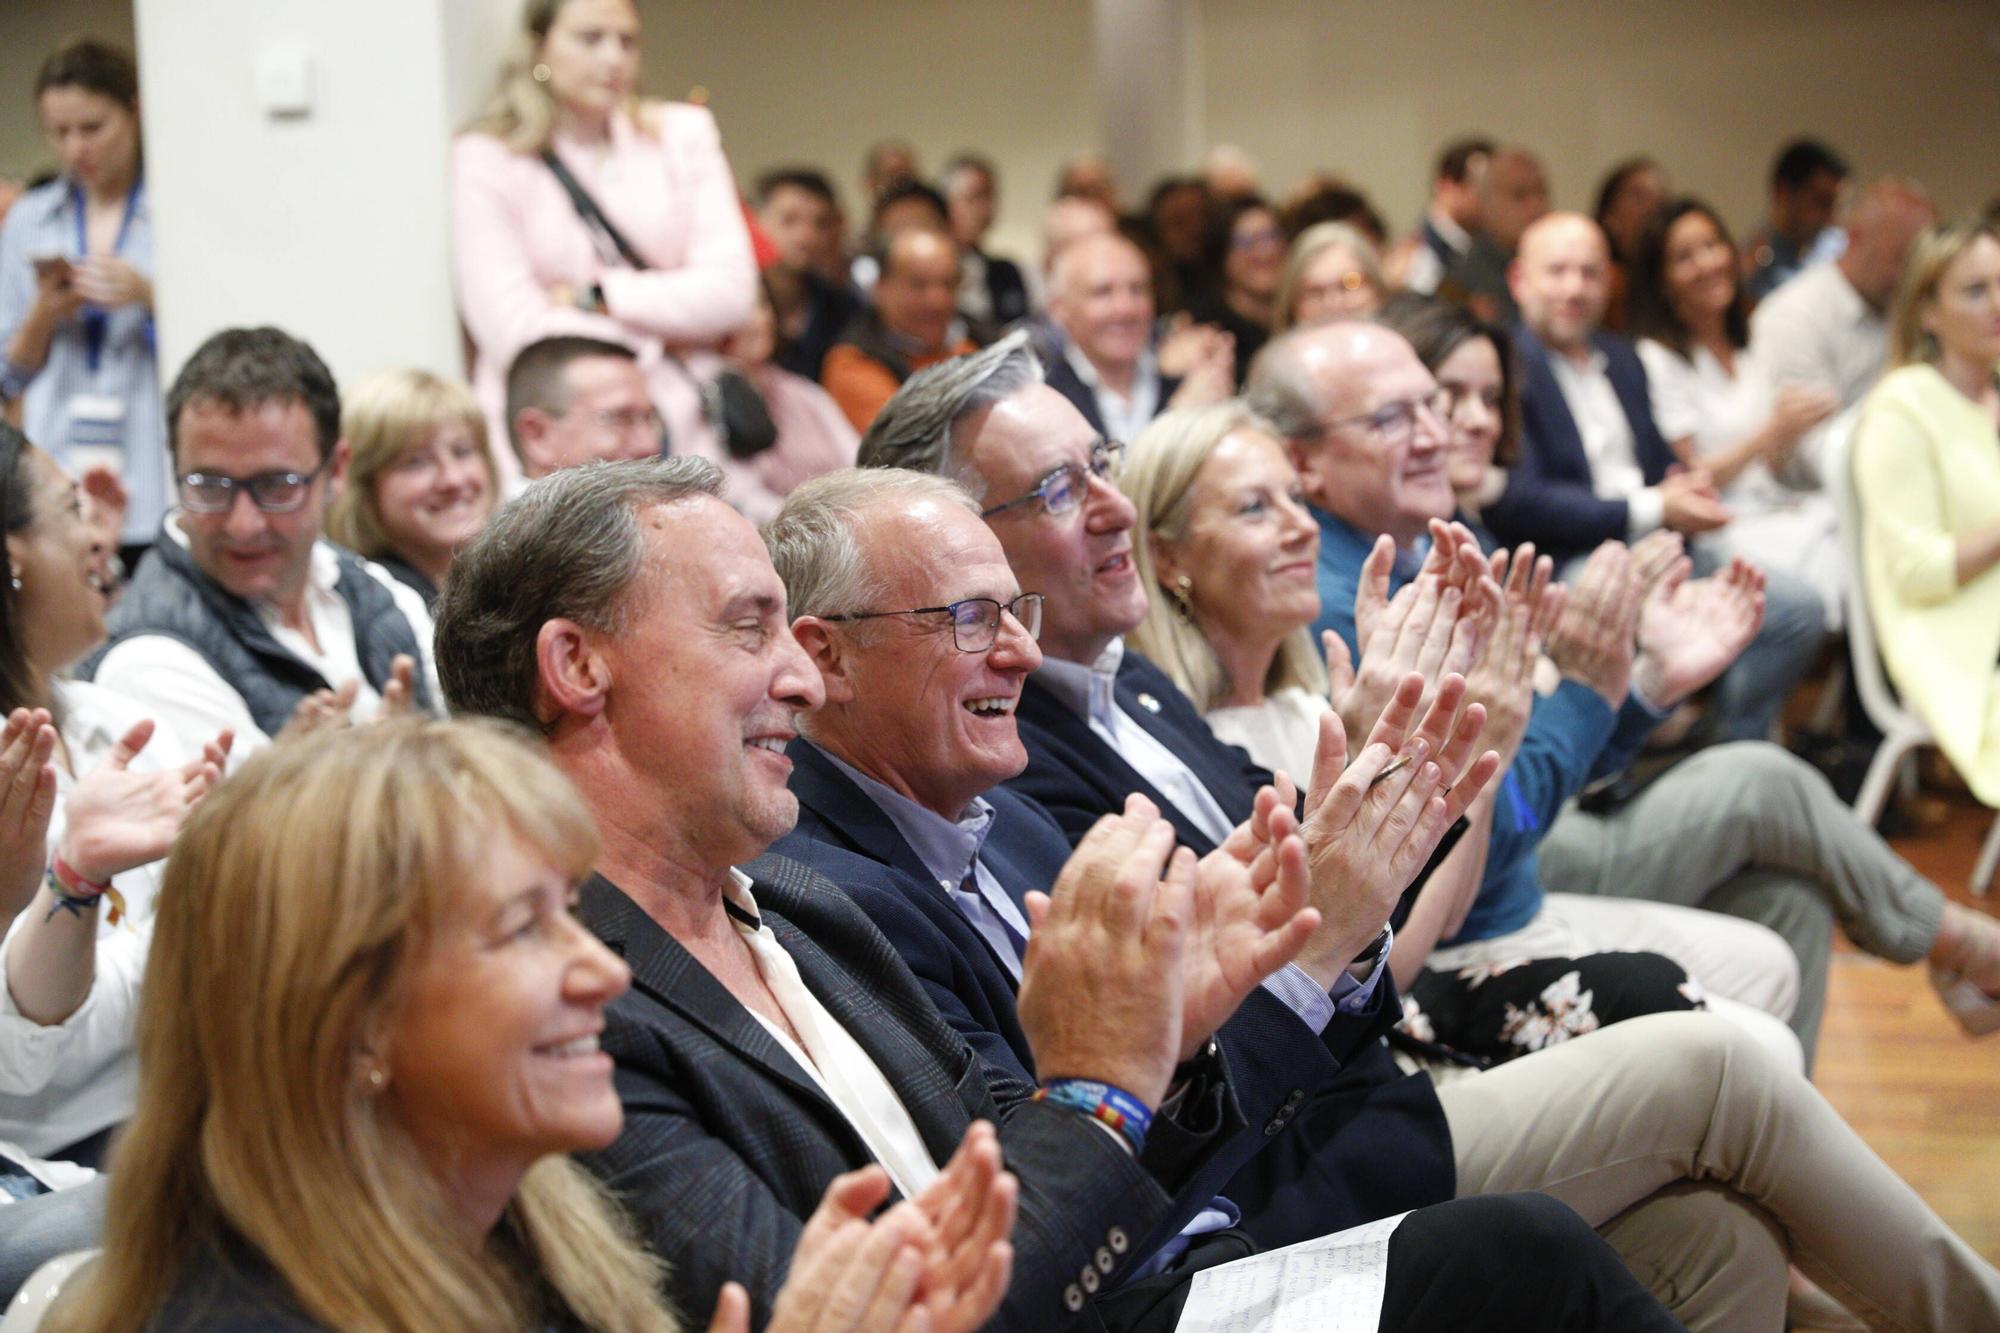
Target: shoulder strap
{"type": "Point", "coordinates": [587, 209]}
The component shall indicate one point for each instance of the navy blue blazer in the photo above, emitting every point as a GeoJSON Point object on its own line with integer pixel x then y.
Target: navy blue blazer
{"type": "Point", "coordinates": [1281, 1072]}
{"type": "Point", "coordinates": [1062, 377]}
{"type": "Point", "coordinates": [1548, 499]}
{"type": "Point", "coordinates": [728, 1144]}
{"type": "Point", "coordinates": [1397, 1153]}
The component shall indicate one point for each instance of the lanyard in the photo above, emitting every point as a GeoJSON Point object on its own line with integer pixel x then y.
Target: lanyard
{"type": "Point", "coordinates": [96, 323]}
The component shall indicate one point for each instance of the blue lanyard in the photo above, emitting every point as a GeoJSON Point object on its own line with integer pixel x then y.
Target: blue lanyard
{"type": "Point", "coordinates": [96, 322]}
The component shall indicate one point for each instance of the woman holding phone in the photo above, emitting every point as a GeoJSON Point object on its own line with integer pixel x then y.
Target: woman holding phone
{"type": "Point", "coordinates": [76, 292]}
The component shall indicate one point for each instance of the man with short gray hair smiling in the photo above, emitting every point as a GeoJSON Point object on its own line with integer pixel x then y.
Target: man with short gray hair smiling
{"type": "Point", "coordinates": [923, 638]}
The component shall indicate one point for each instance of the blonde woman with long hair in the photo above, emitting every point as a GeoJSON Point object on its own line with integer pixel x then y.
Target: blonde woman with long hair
{"type": "Point", "coordinates": [674, 265]}
{"type": "Point", "coordinates": [373, 1039]}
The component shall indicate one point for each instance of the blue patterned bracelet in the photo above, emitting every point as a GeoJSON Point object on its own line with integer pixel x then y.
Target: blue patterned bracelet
{"type": "Point", "coordinates": [1102, 1102]}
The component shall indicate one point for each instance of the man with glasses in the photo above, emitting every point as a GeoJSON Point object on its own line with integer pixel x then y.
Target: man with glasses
{"type": "Point", "coordinates": [241, 617]}
{"type": "Point", "coordinates": [572, 399]}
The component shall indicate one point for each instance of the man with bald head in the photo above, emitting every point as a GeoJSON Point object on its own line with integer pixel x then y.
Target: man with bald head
{"type": "Point", "coordinates": [1828, 328]}
{"type": "Point", "coordinates": [1595, 468]}
{"type": "Point", "coordinates": [911, 322]}
{"type": "Point", "coordinates": [1101, 355]}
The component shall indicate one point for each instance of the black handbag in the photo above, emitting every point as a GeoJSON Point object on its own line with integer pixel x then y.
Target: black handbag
{"type": "Point", "coordinates": [730, 403]}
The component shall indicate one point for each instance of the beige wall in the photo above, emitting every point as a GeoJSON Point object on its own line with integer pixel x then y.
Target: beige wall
{"type": "Point", "coordinates": [1709, 87]}
{"type": "Point", "coordinates": [798, 81]}
{"type": "Point", "coordinates": [29, 30]}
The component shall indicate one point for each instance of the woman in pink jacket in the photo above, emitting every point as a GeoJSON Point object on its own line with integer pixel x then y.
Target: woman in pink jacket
{"type": "Point", "coordinates": [528, 263]}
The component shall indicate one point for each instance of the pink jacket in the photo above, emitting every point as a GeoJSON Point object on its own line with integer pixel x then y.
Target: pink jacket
{"type": "Point", "coordinates": [515, 235]}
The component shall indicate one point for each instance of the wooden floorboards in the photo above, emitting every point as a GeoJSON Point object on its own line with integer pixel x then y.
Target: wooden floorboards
{"type": "Point", "coordinates": [1892, 1061]}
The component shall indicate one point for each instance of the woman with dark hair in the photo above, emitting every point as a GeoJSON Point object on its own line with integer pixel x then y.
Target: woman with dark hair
{"type": "Point", "coordinates": [1473, 361]}
{"type": "Point", "coordinates": [72, 959]}
{"type": "Point", "coordinates": [578, 208]}
{"type": "Point", "coordinates": [76, 290]}
{"type": "Point", "coordinates": [1249, 242]}
{"type": "Point", "coordinates": [1627, 198]}
{"type": "Point", "coordinates": [1720, 410]}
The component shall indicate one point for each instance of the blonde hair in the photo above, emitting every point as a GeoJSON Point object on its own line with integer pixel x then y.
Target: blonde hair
{"type": "Point", "coordinates": [382, 418]}
{"type": "Point", "coordinates": [1158, 477]}
{"type": "Point", "coordinates": [1930, 255]}
{"type": "Point", "coordinates": [521, 114]}
{"type": "Point", "coordinates": [1307, 246]}
{"type": "Point", "coordinates": [292, 907]}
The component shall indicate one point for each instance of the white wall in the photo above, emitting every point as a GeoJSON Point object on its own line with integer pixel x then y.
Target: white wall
{"type": "Point", "coordinates": [332, 224]}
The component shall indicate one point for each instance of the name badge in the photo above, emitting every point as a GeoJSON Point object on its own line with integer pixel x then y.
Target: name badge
{"type": "Point", "coordinates": [96, 433]}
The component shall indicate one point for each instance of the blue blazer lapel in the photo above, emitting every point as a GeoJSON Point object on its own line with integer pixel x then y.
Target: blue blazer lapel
{"type": "Point", "coordinates": [1558, 443]}
{"type": "Point", "coordinates": [846, 814]}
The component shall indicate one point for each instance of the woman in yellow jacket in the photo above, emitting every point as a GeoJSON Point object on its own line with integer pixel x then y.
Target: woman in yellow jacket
{"type": "Point", "coordinates": [1927, 475]}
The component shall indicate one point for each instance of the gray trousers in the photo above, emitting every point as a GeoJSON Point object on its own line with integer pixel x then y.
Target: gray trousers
{"type": "Point", "coordinates": [1752, 830]}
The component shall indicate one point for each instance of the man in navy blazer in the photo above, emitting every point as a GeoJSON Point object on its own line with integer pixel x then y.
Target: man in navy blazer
{"type": "Point", "coordinates": [772, 1039]}
{"type": "Point", "coordinates": [1099, 723]}
{"type": "Point", "coordinates": [1594, 467]}
{"type": "Point", "coordinates": [896, 782]}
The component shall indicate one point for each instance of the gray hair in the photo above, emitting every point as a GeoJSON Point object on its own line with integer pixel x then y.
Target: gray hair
{"type": "Point", "coordinates": [812, 540]}
{"type": "Point", "coordinates": [919, 428]}
{"type": "Point", "coordinates": [567, 548]}
{"type": "Point", "coordinates": [1281, 389]}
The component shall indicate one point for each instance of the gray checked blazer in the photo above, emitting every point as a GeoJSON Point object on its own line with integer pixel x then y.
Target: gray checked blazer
{"type": "Point", "coordinates": [728, 1143]}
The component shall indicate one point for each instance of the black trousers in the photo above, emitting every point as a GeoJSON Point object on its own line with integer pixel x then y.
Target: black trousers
{"type": "Point", "coordinates": [1495, 1262]}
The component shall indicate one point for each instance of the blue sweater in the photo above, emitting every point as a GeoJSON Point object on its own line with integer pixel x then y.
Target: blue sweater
{"type": "Point", "coordinates": [1572, 739]}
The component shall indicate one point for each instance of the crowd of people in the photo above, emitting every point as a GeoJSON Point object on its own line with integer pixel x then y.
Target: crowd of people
{"type": "Point", "coordinates": [840, 781]}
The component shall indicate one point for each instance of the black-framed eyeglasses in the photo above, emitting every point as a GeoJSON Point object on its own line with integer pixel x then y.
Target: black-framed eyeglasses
{"type": "Point", "coordinates": [272, 492]}
{"type": "Point", "coordinates": [1063, 489]}
{"type": "Point", "coordinates": [1396, 422]}
{"type": "Point", "coordinates": [975, 621]}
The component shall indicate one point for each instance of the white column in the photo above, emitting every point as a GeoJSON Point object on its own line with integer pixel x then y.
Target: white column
{"type": "Point", "coordinates": [1148, 89]}
{"type": "Point", "coordinates": [296, 155]}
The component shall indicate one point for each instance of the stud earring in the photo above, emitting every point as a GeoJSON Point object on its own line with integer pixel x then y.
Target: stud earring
{"type": "Point", "coordinates": [15, 579]}
{"type": "Point", "coordinates": [378, 1077]}
{"type": "Point", "coordinates": [1183, 594]}
{"type": "Point", "coordinates": [541, 73]}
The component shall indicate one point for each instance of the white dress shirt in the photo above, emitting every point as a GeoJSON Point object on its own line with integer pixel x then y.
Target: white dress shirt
{"type": "Point", "coordinates": [65, 1082]}
{"type": "Point", "coordinates": [175, 684]}
{"type": "Point", "coordinates": [1123, 417]}
{"type": "Point", "coordinates": [1816, 330]}
{"type": "Point", "coordinates": [1608, 444]}
{"type": "Point", "coordinates": [844, 1071]}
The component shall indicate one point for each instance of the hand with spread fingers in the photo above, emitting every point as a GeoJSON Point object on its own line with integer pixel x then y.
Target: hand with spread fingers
{"type": "Point", "coordinates": [27, 802]}
{"type": "Point", "coordinates": [1251, 915]}
{"type": "Point", "coordinates": [1370, 826]}
{"type": "Point", "coordinates": [1504, 679]}
{"type": "Point", "coordinates": [938, 1263]}
{"type": "Point", "coordinates": [1434, 626]}
{"type": "Point", "coordinates": [1654, 556]}
{"type": "Point", "coordinates": [1691, 630]}
{"type": "Point", "coordinates": [1102, 989]}
{"type": "Point", "coordinates": [1593, 638]}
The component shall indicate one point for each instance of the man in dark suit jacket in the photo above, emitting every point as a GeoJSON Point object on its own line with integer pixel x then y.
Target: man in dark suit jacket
{"type": "Point", "coordinates": [916, 717]}
{"type": "Point", "coordinates": [765, 1006]}
{"type": "Point", "coordinates": [1067, 533]}
{"type": "Point", "coordinates": [1594, 467]}
{"type": "Point", "coordinates": [1097, 346]}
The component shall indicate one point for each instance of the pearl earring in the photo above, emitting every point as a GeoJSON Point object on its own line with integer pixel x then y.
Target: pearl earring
{"type": "Point", "coordinates": [541, 73]}
{"type": "Point", "coordinates": [15, 579]}
{"type": "Point", "coordinates": [378, 1077]}
{"type": "Point", "coordinates": [1183, 594]}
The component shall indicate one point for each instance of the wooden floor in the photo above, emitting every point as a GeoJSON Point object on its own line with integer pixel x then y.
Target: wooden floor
{"type": "Point", "coordinates": [1892, 1061]}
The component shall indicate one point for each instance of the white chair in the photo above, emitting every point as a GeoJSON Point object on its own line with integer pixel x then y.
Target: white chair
{"type": "Point", "coordinates": [31, 1304]}
{"type": "Point", "coordinates": [1902, 730]}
